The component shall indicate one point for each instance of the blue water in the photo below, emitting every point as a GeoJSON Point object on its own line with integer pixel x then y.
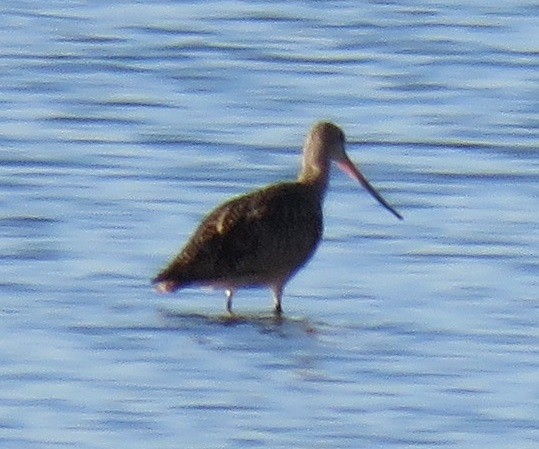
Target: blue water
{"type": "Point", "coordinates": [123, 123]}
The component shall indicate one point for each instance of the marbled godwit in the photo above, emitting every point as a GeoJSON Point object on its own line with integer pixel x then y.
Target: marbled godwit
{"type": "Point", "coordinates": [264, 237]}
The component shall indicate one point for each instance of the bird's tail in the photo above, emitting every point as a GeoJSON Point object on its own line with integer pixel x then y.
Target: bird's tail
{"type": "Point", "coordinates": [166, 282]}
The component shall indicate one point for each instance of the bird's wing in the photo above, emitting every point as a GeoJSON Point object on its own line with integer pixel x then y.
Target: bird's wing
{"type": "Point", "coordinates": [225, 242]}
{"type": "Point", "coordinates": [254, 236]}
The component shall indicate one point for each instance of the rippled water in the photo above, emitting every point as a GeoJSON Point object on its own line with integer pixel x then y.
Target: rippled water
{"type": "Point", "coordinates": [123, 123]}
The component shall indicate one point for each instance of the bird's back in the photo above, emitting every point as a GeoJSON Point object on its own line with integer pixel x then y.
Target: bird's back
{"type": "Point", "coordinates": [254, 239]}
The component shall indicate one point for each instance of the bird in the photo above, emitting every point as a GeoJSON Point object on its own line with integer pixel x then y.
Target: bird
{"type": "Point", "coordinates": [262, 238]}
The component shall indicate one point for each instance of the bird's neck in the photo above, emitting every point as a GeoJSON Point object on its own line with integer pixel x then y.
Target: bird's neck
{"type": "Point", "coordinates": [315, 172]}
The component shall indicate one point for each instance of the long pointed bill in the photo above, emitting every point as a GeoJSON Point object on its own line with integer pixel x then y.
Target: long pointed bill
{"type": "Point", "coordinates": [350, 169]}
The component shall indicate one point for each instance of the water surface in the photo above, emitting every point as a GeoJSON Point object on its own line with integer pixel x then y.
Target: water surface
{"type": "Point", "coordinates": [123, 124]}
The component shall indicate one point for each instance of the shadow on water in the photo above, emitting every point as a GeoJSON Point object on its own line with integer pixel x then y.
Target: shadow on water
{"type": "Point", "coordinates": [240, 329]}
{"type": "Point", "coordinates": [265, 323]}
{"type": "Point", "coordinates": [279, 342]}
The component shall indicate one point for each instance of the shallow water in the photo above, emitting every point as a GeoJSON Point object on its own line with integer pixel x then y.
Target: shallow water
{"type": "Point", "coordinates": [123, 124]}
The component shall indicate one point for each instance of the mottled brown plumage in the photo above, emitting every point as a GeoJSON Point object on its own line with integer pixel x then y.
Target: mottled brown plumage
{"type": "Point", "coordinates": [264, 237]}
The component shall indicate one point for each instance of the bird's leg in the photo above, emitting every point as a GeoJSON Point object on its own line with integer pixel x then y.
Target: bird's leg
{"type": "Point", "coordinates": [277, 291]}
{"type": "Point", "coordinates": [229, 295]}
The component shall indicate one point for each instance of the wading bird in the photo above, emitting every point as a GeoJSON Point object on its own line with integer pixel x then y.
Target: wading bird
{"type": "Point", "coordinates": [264, 237]}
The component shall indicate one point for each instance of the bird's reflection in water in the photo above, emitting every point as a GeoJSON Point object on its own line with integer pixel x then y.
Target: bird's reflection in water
{"type": "Point", "coordinates": [265, 323]}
